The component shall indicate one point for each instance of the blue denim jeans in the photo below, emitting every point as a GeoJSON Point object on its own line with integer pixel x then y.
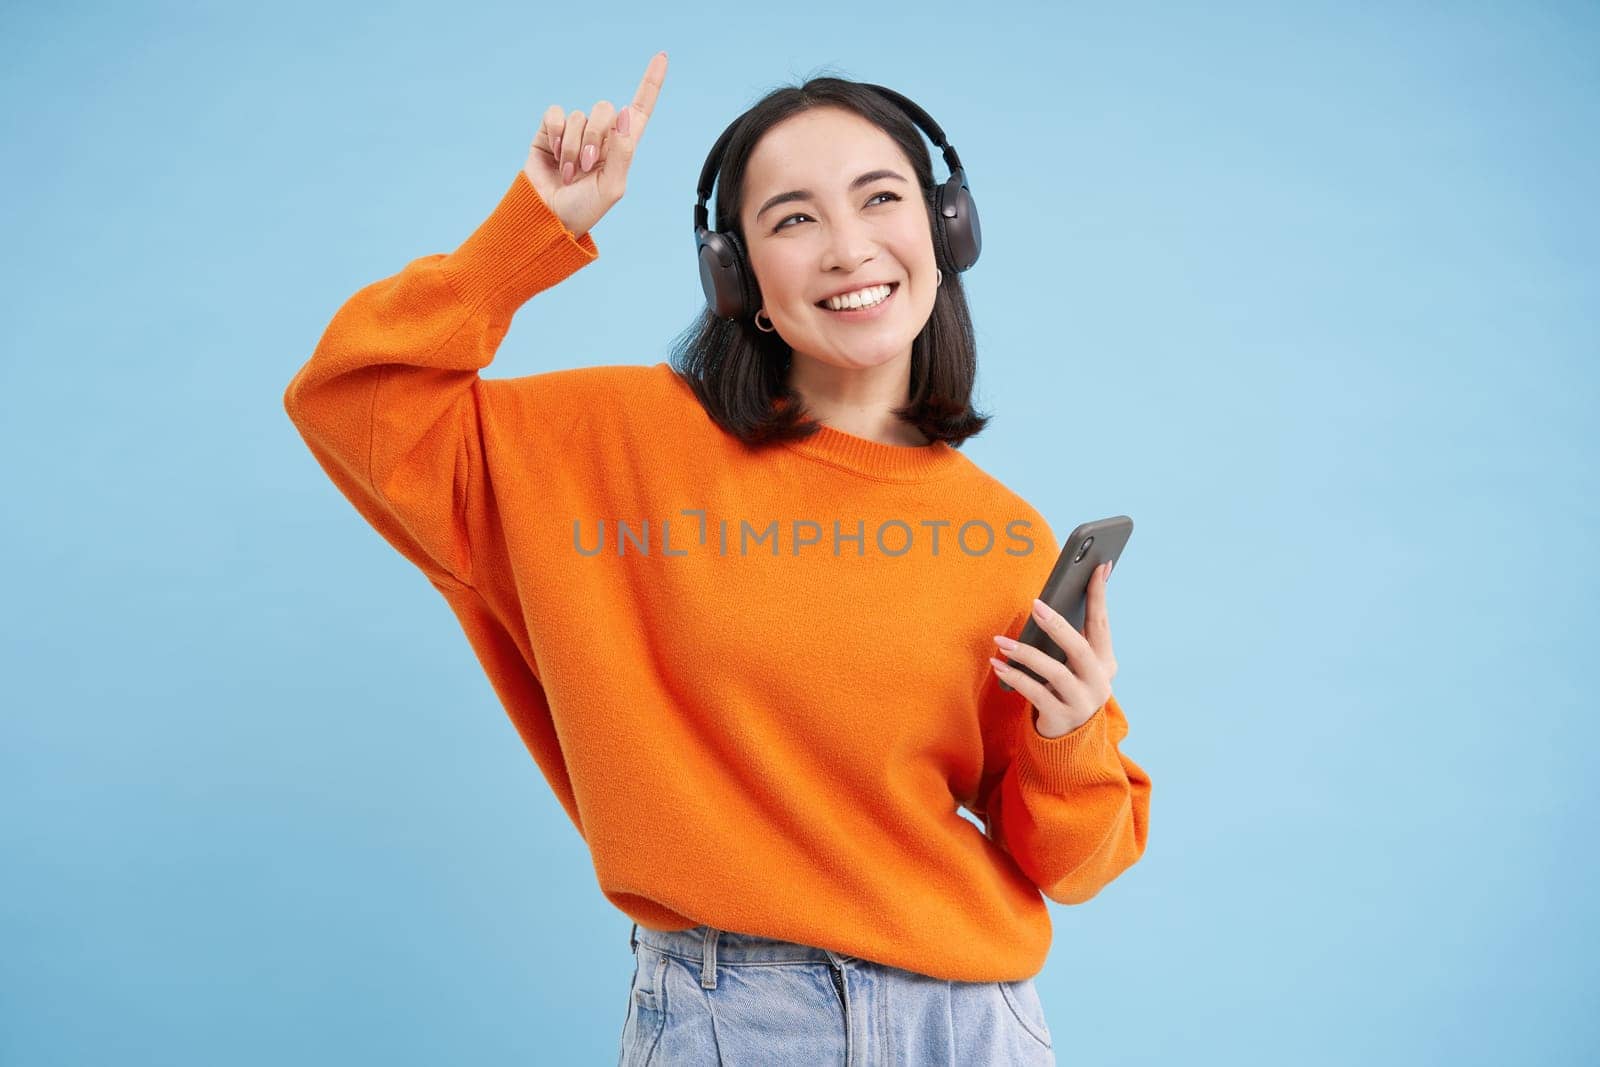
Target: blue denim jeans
{"type": "Point", "coordinates": [704, 997]}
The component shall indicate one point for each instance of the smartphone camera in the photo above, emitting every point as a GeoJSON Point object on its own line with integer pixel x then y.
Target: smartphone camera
{"type": "Point", "coordinates": [1083, 549]}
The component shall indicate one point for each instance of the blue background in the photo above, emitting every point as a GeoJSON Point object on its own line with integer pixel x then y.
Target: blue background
{"type": "Point", "coordinates": [1311, 294]}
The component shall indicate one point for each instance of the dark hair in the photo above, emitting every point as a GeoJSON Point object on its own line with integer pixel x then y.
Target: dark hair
{"type": "Point", "coordinates": [739, 372]}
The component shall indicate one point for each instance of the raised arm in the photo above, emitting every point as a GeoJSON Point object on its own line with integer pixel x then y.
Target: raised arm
{"type": "Point", "coordinates": [391, 403]}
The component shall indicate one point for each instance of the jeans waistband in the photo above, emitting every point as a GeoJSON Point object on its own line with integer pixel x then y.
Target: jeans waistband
{"type": "Point", "coordinates": [704, 944]}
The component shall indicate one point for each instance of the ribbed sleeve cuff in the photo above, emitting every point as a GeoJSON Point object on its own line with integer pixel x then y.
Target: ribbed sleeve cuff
{"type": "Point", "coordinates": [520, 249]}
{"type": "Point", "coordinates": [1085, 756]}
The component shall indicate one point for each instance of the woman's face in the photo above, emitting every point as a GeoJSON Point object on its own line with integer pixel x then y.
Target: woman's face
{"type": "Point", "coordinates": [838, 237]}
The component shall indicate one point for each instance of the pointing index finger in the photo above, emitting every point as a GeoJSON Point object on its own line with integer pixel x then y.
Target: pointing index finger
{"type": "Point", "coordinates": [644, 101]}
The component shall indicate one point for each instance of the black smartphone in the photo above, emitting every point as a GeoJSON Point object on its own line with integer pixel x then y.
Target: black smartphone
{"type": "Point", "coordinates": [1067, 588]}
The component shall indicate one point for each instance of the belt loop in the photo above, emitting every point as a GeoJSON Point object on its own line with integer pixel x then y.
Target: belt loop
{"type": "Point", "coordinates": [708, 959]}
{"type": "Point", "coordinates": [633, 939]}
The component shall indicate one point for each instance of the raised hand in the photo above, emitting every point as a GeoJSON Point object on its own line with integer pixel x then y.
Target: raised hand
{"type": "Point", "coordinates": [578, 164]}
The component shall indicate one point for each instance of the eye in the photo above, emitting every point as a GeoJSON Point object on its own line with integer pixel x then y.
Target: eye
{"type": "Point", "coordinates": [782, 222]}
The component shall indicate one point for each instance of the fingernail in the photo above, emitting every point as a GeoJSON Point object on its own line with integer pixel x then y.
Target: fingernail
{"type": "Point", "coordinates": [587, 155]}
{"type": "Point", "coordinates": [1005, 642]}
{"type": "Point", "coordinates": [566, 171]}
{"type": "Point", "coordinates": [1041, 609]}
{"type": "Point", "coordinates": [1109, 565]}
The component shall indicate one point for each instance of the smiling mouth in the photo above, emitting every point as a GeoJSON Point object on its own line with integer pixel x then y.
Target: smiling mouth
{"type": "Point", "coordinates": [894, 287]}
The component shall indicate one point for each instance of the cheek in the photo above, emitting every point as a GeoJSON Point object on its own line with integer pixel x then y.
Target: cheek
{"type": "Point", "coordinates": [918, 245]}
{"type": "Point", "coordinates": [780, 277]}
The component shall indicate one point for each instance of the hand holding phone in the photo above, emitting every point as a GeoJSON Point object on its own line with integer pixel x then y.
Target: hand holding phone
{"type": "Point", "coordinates": [1066, 591]}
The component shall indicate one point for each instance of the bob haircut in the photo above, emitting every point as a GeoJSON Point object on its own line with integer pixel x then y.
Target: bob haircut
{"type": "Point", "coordinates": [739, 372]}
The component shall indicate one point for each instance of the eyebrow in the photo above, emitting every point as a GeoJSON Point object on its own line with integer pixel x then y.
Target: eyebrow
{"type": "Point", "coordinates": [805, 194]}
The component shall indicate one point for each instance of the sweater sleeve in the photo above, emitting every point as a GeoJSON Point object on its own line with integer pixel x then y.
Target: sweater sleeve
{"type": "Point", "coordinates": [1073, 811]}
{"type": "Point", "coordinates": [391, 403]}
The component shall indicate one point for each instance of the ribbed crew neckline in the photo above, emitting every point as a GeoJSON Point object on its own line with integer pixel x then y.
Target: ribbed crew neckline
{"type": "Point", "coordinates": [901, 463]}
{"type": "Point", "coordinates": [873, 459]}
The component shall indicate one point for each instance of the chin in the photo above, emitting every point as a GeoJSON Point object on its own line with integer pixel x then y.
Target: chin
{"type": "Point", "coordinates": [869, 360]}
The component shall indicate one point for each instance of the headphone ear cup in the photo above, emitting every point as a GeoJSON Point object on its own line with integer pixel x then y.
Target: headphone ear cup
{"type": "Point", "coordinates": [720, 274]}
{"type": "Point", "coordinates": [725, 277]}
{"type": "Point", "coordinates": [749, 294]}
{"type": "Point", "coordinates": [959, 233]}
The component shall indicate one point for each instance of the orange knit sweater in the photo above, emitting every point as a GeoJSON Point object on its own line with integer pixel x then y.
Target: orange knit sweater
{"type": "Point", "coordinates": [757, 679]}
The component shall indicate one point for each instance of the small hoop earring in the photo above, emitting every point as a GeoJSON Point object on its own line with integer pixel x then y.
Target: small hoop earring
{"type": "Point", "coordinates": [769, 328]}
{"type": "Point", "coordinates": [940, 273]}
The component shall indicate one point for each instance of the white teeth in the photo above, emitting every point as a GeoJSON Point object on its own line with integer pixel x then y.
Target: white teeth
{"type": "Point", "coordinates": [860, 298]}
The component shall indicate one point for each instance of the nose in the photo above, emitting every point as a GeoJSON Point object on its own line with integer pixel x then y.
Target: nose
{"type": "Point", "coordinates": [849, 245]}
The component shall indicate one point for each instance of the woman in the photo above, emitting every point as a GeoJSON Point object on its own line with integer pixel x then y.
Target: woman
{"type": "Point", "coordinates": [762, 696]}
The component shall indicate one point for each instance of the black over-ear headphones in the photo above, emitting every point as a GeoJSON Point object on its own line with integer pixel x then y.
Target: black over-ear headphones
{"type": "Point", "coordinates": [725, 272]}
